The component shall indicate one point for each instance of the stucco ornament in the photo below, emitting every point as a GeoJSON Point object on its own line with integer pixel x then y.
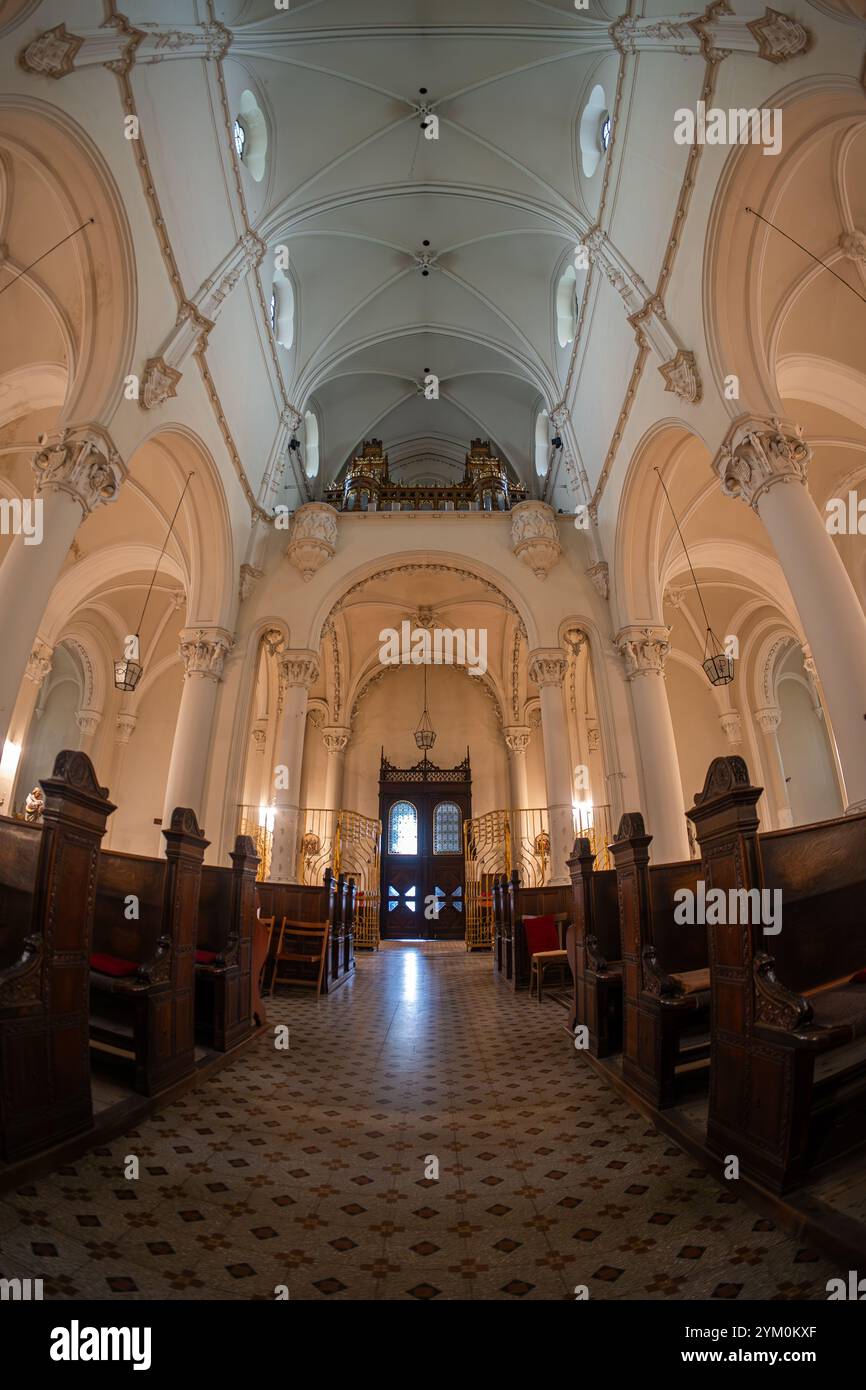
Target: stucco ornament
{"type": "Point", "coordinates": [535, 537]}
{"type": "Point", "coordinates": [313, 538]}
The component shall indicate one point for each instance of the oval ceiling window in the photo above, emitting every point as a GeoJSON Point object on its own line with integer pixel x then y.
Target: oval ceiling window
{"type": "Point", "coordinates": [311, 444]}
{"type": "Point", "coordinates": [250, 134]}
{"type": "Point", "coordinates": [283, 309]}
{"type": "Point", "coordinates": [542, 443]}
{"type": "Point", "coordinates": [566, 307]}
{"type": "Point", "coordinates": [591, 132]}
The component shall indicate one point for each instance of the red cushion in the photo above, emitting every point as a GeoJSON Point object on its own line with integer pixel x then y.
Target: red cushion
{"type": "Point", "coordinates": [205, 957]}
{"type": "Point", "coordinates": [859, 978]}
{"type": "Point", "coordinates": [113, 965]}
{"type": "Point", "coordinates": [541, 934]}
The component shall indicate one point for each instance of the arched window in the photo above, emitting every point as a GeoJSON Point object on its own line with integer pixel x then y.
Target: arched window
{"type": "Point", "coordinates": [447, 823]}
{"type": "Point", "coordinates": [273, 311]}
{"type": "Point", "coordinates": [311, 440]}
{"type": "Point", "coordinates": [542, 443]}
{"type": "Point", "coordinates": [240, 139]}
{"type": "Point", "coordinates": [403, 828]}
{"type": "Point", "coordinates": [592, 131]}
{"type": "Point", "coordinates": [566, 307]}
{"type": "Point", "coordinates": [604, 131]}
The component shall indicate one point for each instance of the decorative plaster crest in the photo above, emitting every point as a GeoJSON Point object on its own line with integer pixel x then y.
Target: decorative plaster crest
{"type": "Point", "coordinates": [158, 384]}
{"type": "Point", "coordinates": [600, 576]}
{"type": "Point", "coordinates": [52, 54]}
{"type": "Point", "coordinates": [779, 37]}
{"type": "Point", "coordinates": [853, 245]}
{"type": "Point", "coordinates": [681, 376]}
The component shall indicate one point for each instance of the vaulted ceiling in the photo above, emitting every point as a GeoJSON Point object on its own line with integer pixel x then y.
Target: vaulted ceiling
{"type": "Point", "coordinates": [366, 203]}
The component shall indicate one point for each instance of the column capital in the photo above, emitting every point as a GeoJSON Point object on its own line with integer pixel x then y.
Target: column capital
{"type": "Point", "coordinates": [88, 721]}
{"type": "Point", "coordinates": [768, 719]}
{"type": "Point", "coordinates": [298, 668]}
{"type": "Point", "coordinates": [644, 648]}
{"type": "Point", "coordinates": [517, 737]}
{"type": "Point", "coordinates": [125, 727]}
{"type": "Point", "coordinates": [204, 650]}
{"type": "Point", "coordinates": [336, 737]}
{"type": "Point", "coordinates": [39, 662]}
{"type": "Point", "coordinates": [732, 725]}
{"type": "Point", "coordinates": [759, 453]}
{"type": "Point", "coordinates": [81, 461]}
{"type": "Point", "coordinates": [547, 666]}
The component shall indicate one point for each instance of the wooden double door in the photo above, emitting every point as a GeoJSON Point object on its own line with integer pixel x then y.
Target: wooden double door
{"type": "Point", "coordinates": [423, 887]}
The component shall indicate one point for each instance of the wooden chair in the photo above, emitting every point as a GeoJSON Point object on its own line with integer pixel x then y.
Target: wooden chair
{"type": "Point", "coordinates": [545, 950]}
{"type": "Point", "coordinates": [303, 948]}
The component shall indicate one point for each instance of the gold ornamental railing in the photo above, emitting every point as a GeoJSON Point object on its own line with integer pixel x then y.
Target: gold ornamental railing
{"type": "Point", "coordinates": [496, 843]}
{"type": "Point", "coordinates": [500, 841]}
{"type": "Point", "coordinates": [358, 855]}
{"type": "Point", "coordinates": [258, 823]}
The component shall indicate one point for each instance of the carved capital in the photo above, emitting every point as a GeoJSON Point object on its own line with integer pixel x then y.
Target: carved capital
{"type": "Point", "coordinates": [759, 455]}
{"type": "Point", "coordinates": [52, 54]}
{"type": "Point", "coordinates": [88, 721]}
{"type": "Point", "coordinates": [83, 463]}
{"type": "Point", "coordinates": [644, 650]}
{"type": "Point", "coordinates": [600, 576]}
{"type": "Point", "coordinates": [732, 726]}
{"type": "Point", "coordinates": [547, 666]}
{"type": "Point", "coordinates": [298, 668]}
{"type": "Point", "coordinates": [249, 577]}
{"type": "Point", "coordinates": [313, 538]}
{"type": "Point", "coordinates": [125, 728]}
{"type": "Point", "coordinates": [853, 245]}
{"type": "Point", "coordinates": [204, 651]}
{"type": "Point", "coordinates": [535, 537]}
{"type": "Point", "coordinates": [517, 737]}
{"type": "Point", "coordinates": [39, 662]}
{"type": "Point", "coordinates": [336, 737]}
{"type": "Point", "coordinates": [768, 719]}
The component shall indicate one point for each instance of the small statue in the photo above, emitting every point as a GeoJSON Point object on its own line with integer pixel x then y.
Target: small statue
{"type": "Point", "coordinates": [34, 805]}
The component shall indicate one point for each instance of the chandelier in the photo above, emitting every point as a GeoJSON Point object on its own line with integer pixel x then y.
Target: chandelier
{"type": "Point", "coordinates": [129, 670]}
{"type": "Point", "coordinates": [718, 666]}
{"type": "Point", "coordinates": [425, 735]}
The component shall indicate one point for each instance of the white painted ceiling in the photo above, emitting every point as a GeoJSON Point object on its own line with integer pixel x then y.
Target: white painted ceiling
{"type": "Point", "coordinates": [354, 189]}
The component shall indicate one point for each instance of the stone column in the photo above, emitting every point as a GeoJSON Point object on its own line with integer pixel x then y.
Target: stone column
{"type": "Point", "coordinates": [547, 667]}
{"type": "Point", "coordinates": [76, 470]}
{"type": "Point", "coordinates": [335, 738]}
{"type": "Point", "coordinates": [203, 650]}
{"type": "Point", "coordinates": [299, 671]}
{"type": "Point", "coordinates": [768, 721]}
{"type": "Point", "coordinates": [644, 649]}
{"type": "Point", "coordinates": [36, 672]}
{"type": "Point", "coordinates": [761, 456]}
{"type": "Point", "coordinates": [517, 738]}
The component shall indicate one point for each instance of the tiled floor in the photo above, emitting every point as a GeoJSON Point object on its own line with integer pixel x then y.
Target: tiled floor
{"type": "Point", "coordinates": [306, 1168]}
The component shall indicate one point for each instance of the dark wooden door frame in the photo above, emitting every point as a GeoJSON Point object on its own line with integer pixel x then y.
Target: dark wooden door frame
{"type": "Point", "coordinates": [424, 785]}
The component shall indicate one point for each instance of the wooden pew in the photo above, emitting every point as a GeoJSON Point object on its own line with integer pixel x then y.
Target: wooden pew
{"type": "Point", "coordinates": [532, 902]}
{"type": "Point", "coordinates": [788, 1085]}
{"type": "Point", "coordinates": [223, 957]}
{"type": "Point", "coordinates": [142, 977]}
{"type": "Point", "coordinates": [665, 968]}
{"type": "Point", "coordinates": [593, 944]}
{"type": "Point", "coordinates": [329, 902]}
{"type": "Point", "coordinates": [47, 898]}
